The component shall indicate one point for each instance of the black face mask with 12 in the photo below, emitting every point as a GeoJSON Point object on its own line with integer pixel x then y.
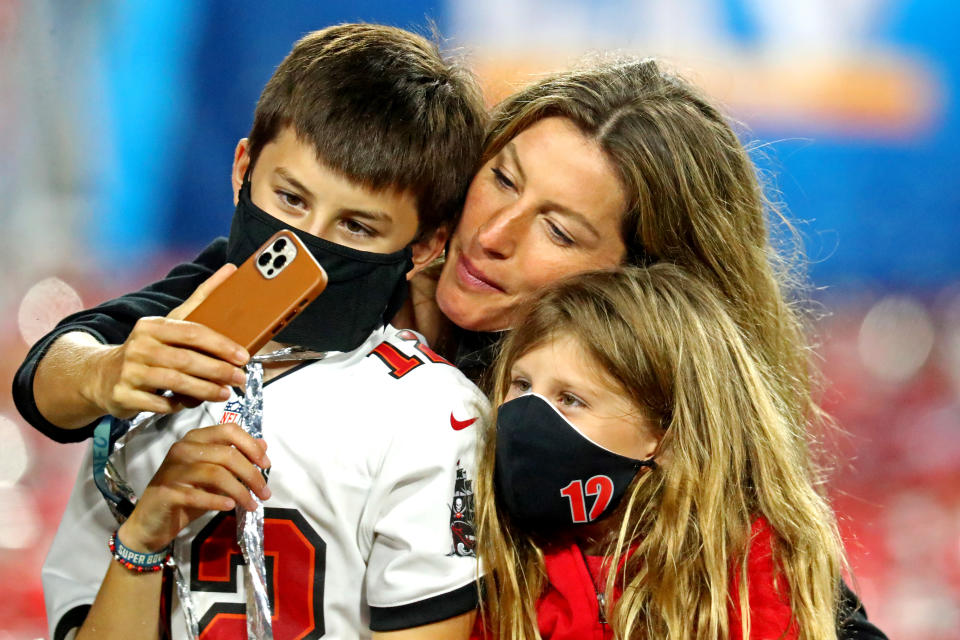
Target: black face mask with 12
{"type": "Point", "coordinates": [548, 476]}
{"type": "Point", "coordinates": [364, 290]}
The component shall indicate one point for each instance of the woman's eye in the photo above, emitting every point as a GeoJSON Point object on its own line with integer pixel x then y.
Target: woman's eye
{"type": "Point", "coordinates": [290, 199]}
{"type": "Point", "coordinates": [502, 179]}
{"type": "Point", "coordinates": [558, 235]}
{"type": "Point", "coordinates": [355, 228]}
{"type": "Point", "coordinates": [569, 400]}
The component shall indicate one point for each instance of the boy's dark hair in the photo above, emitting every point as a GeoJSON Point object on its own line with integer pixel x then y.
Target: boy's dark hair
{"type": "Point", "coordinates": [382, 107]}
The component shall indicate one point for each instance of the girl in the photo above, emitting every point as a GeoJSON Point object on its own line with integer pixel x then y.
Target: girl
{"type": "Point", "coordinates": [644, 480]}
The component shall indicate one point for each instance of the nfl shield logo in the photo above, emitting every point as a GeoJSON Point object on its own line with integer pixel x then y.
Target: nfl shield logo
{"type": "Point", "coordinates": [231, 412]}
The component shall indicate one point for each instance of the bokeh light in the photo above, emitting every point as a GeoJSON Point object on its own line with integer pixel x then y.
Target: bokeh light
{"type": "Point", "coordinates": [895, 338]}
{"type": "Point", "coordinates": [18, 519]}
{"type": "Point", "coordinates": [45, 304]}
{"type": "Point", "coordinates": [14, 457]}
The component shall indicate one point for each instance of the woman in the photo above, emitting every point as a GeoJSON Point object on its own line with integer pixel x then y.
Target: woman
{"type": "Point", "coordinates": [622, 163]}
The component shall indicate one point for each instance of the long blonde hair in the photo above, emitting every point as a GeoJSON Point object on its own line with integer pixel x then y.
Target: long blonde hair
{"type": "Point", "coordinates": [694, 199]}
{"type": "Point", "coordinates": [731, 452]}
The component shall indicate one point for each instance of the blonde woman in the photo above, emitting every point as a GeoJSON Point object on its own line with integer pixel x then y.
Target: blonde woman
{"type": "Point", "coordinates": [644, 480]}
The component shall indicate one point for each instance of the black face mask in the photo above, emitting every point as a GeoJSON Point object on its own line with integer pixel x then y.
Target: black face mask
{"type": "Point", "coordinates": [365, 290]}
{"type": "Point", "coordinates": [548, 476]}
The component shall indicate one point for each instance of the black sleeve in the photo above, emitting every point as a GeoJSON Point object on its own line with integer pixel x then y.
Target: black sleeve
{"type": "Point", "coordinates": [111, 323]}
{"type": "Point", "coordinates": [852, 623]}
{"type": "Point", "coordinates": [435, 609]}
{"type": "Point", "coordinates": [71, 621]}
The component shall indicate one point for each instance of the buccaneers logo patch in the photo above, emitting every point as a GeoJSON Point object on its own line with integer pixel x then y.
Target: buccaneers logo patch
{"type": "Point", "coordinates": [461, 516]}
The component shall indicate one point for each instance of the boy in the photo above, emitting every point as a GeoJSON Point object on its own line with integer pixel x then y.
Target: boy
{"type": "Point", "coordinates": [363, 142]}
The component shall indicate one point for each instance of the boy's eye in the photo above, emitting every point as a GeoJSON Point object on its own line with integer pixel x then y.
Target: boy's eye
{"type": "Point", "coordinates": [357, 229]}
{"type": "Point", "coordinates": [502, 179]}
{"type": "Point", "coordinates": [290, 199]}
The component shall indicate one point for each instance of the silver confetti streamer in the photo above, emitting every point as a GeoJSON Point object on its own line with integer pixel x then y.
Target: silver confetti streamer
{"type": "Point", "coordinates": [250, 523]}
{"type": "Point", "coordinates": [289, 354]}
{"type": "Point", "coordinates": [186, 600]}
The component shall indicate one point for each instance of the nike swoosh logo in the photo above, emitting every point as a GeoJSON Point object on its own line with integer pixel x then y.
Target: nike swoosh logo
{"type": "Point", "coordinates": [460, 424]}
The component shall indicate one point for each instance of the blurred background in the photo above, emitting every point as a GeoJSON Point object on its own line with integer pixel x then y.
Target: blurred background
{"type": "Point", "coordinates": [118, 122]}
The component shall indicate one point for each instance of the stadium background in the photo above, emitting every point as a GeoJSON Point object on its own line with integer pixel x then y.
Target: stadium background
{"type": "Point", "coordinates": [118, 121]}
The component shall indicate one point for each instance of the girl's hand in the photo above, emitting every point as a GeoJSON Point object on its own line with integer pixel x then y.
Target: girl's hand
{"type": "Point", "coordinates": [209, 469]}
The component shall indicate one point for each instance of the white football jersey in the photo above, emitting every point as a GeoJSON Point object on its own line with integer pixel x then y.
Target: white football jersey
{"type": "Point", "coordinates": [369, 525]}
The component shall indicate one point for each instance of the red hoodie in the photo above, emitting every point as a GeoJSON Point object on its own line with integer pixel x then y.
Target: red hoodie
{"type": "Point", "coordinates": [569, 609]}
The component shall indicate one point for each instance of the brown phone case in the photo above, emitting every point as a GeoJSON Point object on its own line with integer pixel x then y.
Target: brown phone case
{"type": "Point", "coordinates": [264, 294]}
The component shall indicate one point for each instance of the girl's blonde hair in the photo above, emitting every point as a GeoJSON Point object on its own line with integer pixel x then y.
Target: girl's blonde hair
{"type": "Point", "coordinates": [731, 451]}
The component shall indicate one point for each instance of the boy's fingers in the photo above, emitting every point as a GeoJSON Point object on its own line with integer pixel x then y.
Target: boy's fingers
{"type": "Point", "coordinates": [127, 402]}
{"type": "Point", "coordinates": [180, 333]}
{"type": "Point", "coordinates": [196, 364]}
{"type": "Point", "coordinates": [195, 498]}
{"type": "Point", "coordinates": [232, 434]}
{"type": "Point", "coordinates": [219, 480]}
{"type": "Point", "coordinates": [240, 468]}
{"type": "Point", "coordinates": [152, 334]}
{"type": "Point", "coordinates": [182, 384]}
{"type": "Point", "coordinates": [202, 292]}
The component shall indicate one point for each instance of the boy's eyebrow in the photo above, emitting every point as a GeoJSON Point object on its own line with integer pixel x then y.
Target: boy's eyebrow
{"type": "Point", "coordinates": [296, 184]}
{"type": "Point", "coordinates": [374, 216]}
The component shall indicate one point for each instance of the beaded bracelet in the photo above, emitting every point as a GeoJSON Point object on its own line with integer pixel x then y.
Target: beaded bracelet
{"type": "Point", "coordinates": [136, 561]}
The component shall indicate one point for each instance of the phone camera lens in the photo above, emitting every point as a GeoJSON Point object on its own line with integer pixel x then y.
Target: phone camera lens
{"type": "Point", "coordinates": [264, 259]}
{"type": "Point", "coordinates": [279, 245]}
{"type": "Point", "coordinates": [279, 261]}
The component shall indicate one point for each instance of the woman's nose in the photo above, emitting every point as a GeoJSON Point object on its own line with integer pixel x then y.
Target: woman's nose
{"type": "Point", "coordinates": [498, 236]}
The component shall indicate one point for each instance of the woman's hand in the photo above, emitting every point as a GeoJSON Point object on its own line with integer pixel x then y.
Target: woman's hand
{"type": "Point", "coordinates": [195, 362]}
{"type": "Point", "coordinates": [209, 469]}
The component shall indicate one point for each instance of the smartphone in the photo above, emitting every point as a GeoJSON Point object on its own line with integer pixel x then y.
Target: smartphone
{"type": "Point", "coordinates": [264, 294]}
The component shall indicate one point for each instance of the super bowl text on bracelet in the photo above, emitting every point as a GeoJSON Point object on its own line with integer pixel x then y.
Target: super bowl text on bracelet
{"type": "Point", "coordinates": [135, 560]}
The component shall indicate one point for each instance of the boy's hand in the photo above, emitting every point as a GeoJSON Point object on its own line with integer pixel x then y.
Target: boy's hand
{"type": "Point", "coordinates": [195, 362]}
{"type": "Point", "coordinates": [209, 469]}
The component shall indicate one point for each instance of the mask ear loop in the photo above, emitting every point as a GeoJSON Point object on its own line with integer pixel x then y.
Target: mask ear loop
{"type": "Point", "coordinates": [650, 463]}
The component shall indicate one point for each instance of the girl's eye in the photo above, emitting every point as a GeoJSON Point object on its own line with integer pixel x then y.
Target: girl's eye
{"type": "Point", "coordinates": [558, 235]}
{"type": "Point", "coordinates": [502, 179]}
{"type": "Point", "coordinates": [569, 400]}
{"type": "Point", "coordinates": [355, 228]}
{"type": "Point", "coordinates": [290, 199]}
{"type": "Point", "coordinates": [519, 385]}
